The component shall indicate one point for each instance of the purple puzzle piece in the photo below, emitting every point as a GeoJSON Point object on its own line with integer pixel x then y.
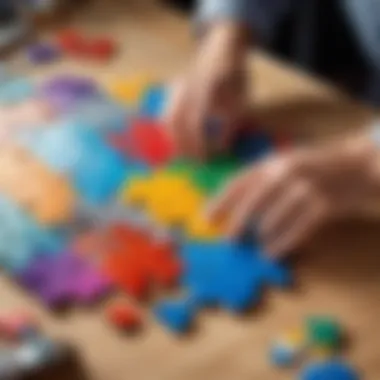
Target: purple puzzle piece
{"type": "Point", "coordinates": [35, 275]}
{"type": "Point", "coordinates": [65, 278]}
{"type": "Point", "coordinates": [91, 287]}
{"type": "Point", "coordinates": [42, 53]}
{"type": "Point", "coordinates": [63, 92]}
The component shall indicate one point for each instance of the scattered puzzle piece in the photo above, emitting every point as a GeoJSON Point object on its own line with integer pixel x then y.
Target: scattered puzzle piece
{"type": "Point", "coordinates": [153, 102]}
{"type": "Point", "coordinates": [177, 316]}
{"type": "Point", "coordinates": [130, 91]}
{"type": "Point", "coordinates": [17, 326]}
{"type": "Point", "coordinates": [330, 370]}
{"type": "Point", "coordinates": [42, 53]}
{"type": "Point", "coordinates": [124, 316]}
{"type": "Point", "coordinates": [324, 332]}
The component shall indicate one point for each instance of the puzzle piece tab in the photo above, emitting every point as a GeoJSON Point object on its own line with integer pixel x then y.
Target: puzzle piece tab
{"type": "Point", "coordinates": [130, 91]}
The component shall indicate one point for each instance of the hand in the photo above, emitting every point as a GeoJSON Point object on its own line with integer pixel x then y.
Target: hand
{"type": "Point", "coordinates": [214, 86]}
{"type": "Point", "coordinates": [289, 196]}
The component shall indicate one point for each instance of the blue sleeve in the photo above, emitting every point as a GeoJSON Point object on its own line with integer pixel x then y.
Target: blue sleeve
{"type": "Point", "coordinates": [261, 16]}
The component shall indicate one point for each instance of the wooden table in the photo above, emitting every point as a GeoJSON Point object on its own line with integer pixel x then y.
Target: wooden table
{"type": "Point", "coordinates": [338, 273]}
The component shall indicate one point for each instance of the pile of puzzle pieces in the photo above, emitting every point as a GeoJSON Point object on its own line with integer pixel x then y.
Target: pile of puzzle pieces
{"type": "Point", "coordinates": [316, 346]}
{"type": "Point", "coordinates": [94, 199]}
{"type": "Point", "coordinates": [27, 353]}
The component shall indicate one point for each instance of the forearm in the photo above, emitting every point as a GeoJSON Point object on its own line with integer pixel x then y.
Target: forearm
{"type": "Point", "coordinates": [255, 17]}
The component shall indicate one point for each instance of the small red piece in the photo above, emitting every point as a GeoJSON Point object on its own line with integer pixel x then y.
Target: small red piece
{"type": "Point", "coordinates": [103, 49]}
{"type": "Point", "coordinates": [14, 326]}
{"type": "Point", "coordinates": [124, 316]}
{"type": "Point", "coordinates": [149, 142]}
{"type": "Point", "coordinates": [72, 42]}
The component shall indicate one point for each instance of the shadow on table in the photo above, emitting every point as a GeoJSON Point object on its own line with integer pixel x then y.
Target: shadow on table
{"type": "Point", "coordinates": [312, 117]}
{"type": "Point", "coordinates": [347, 254]}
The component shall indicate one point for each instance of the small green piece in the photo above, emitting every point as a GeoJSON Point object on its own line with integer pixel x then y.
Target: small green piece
{"type": "Point", "coordinates": [324, 332]}
{"type": "Point", "coordinates": [209, 176]}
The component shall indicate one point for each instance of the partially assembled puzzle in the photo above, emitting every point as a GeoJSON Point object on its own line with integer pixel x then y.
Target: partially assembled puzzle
{"type": "Point", "coordinates": [95, 200]}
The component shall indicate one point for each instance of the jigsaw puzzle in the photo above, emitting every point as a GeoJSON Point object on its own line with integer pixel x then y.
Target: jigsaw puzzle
{"type": "Point", "coordinates": [98, 200]}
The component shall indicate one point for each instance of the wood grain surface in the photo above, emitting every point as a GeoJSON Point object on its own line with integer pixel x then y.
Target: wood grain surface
{"type": "Point", "coordinates": [337, 273]}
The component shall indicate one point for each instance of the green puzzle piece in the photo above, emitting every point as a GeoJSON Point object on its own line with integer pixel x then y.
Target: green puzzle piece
{"type": "Point", "coordinates": [210, 176]}
{"type": "Point", "coordinates": [324, 332]}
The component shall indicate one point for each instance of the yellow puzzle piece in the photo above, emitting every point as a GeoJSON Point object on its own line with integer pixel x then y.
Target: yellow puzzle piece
{"type": "Point", "coordinates": [130, 90]}
{"type": "Point", "coordinates": [199, 228]}
{"type": "Point", "coordinates": [136, 192]}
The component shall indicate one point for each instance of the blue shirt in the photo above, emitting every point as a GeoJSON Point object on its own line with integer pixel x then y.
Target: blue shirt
{"type": "Point", "coordinates": [263, 17]}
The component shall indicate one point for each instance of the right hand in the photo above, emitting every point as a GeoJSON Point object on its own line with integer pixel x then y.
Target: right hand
{"type": "Point", "coordinates": [214, 87]}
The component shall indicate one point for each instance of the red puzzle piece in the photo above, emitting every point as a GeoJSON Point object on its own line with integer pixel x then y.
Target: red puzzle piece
{"type": "Point", "coordinates": [124, 316]}
{"type": "Point", "coordinates": [148, 141]}
{"type": "Point", "coordinates": [132, 260]}
{"type": "Point", "coordinates": [103, 49]}
{"type": "Point", "coordinates": [72, 42]}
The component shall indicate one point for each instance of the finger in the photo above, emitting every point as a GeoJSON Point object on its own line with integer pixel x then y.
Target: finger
{"type": "Point", "coordinates": [175, 114]}
{"type": "Point", "coordinates": [202, 101]}
{"type": "Point", "coordinates": [283, 211]}
{"type": "Point", "coordinates": [301, 229]}
{"type": "Point", "coordinates": [224, 201]}
{"type": "Point", "coordinates": [262, 192]}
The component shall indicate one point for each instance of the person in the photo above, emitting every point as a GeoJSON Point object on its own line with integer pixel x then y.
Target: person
{"type": "Point", "coordinates": [287, 195]}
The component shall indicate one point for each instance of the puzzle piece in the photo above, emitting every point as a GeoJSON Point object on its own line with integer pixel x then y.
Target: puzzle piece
{"type": "Point", "coordinates": [103, 115]}
{"type": "Point", "coordinates": [224, 273]}
{"type": "Point", "coordinates": [153, 102]}
{"type": "Point", "coordinates": [16, 167]}
{"type": "Point", "coordinates": [130, 91]}
{"type": "Point", "coordinates": [324, 332]}
{"type": "Point", "coordinates": [64, 278]}
{"type": "Point", "coordinates": [69, 149]}
{"type": "Point", "coordinates": [71, 41]}
{"type": "Point", "coordinates": [209, 177]}
{"type": "Point", "coordinates": [177, 316]}
{"type": "Point", "coordinates": [330, 370]}
{"type": "Point", "coordinates": [64, 92]}
{"type": "Point", "coordinates": [251, 146]}
{"type": "Point", "coordinates": [42, 53]}
{"type": "Point", "coordinates": [199, 228]}
{"type": "Point", "coordinates": [148, 142]}
{"type": "Point", "coordinates": [16, 90]}
{"type": "Point", "coordinates": [124, 316]}
{"type": "Point", "coordinates": [21, 239]}
{"type": "Point", "coordinates": [98, 177]}
{"type": "Point", "coordinates": [101, 48]}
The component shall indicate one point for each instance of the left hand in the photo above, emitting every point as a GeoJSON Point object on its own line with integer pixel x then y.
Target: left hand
{"type": "Point", "coordinates": [291, 195]}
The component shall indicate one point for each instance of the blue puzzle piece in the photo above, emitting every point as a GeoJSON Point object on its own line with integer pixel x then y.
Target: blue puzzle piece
{"type": "Point", "coordinates": [251, 146]}
{"type": "Point", "coordinates": [282, 356]}
{"type": "Point", "coordinates": [16, 90]}
{"type": "Point", "coordinates": [21, 239]}
{"type": "Point", "coordinates": [276, 273]}
{"type": "Point", "coordinates": [177, 316]}
{"type": "Point", "coordinates": [80, 153]}
{"type": "Point", "coordinates": [229, 274]}
{"type": "Point", "coordinates": [100, 114]}
{"type": "Point", "coordinates": [153, 102]}
{"type": "Point", "coordinates": [98, 177]}
{"type": "Point", "coordinates": [329, 370]}
{"type": "Point", "coordinates": [59, 146]}
{"type": "Point", "coordinates": [221, 273]}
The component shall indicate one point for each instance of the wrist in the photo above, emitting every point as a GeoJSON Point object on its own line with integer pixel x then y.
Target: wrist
{"type": "Point", "coordinates": [232, 35]}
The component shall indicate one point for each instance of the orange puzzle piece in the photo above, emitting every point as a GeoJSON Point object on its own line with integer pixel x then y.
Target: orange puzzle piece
{"type": "Point", "coordinates": [44, 194]}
